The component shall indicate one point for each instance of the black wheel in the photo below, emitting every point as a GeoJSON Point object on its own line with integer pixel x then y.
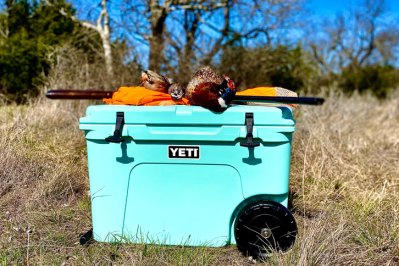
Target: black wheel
{"type": "Point", "coordinates": [264, 226]}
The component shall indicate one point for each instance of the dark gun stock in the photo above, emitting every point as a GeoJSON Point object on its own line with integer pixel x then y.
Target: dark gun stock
{"type": "Point", "coordinates": [78, 95]}
{"type": "Point", "coordinates": [98, 95]}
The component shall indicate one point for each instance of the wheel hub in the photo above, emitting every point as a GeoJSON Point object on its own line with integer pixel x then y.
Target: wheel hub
{"type": "Point", "coordinates": [266, 232]}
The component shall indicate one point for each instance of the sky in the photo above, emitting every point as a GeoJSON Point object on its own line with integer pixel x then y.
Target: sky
{"type": "Point", "coordinates": [331, 7]}
{"type": "Point", "coordinates": [318, 9]}
{"type": "Point", "coordinates": [322, 7]}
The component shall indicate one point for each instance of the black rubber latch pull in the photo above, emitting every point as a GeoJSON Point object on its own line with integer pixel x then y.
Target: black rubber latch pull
{"type": "Point", "coordinates": [117, 137]}
{"type": "Point", "coordinates": [86, 238]}
{"type": "Point", "coordinates": [249, 123]}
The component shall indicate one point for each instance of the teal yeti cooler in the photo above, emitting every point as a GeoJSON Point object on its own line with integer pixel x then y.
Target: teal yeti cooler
{"type": "Point", "coordinates": [183, 175]}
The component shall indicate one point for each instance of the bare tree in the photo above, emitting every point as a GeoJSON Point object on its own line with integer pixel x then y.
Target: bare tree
{"type": "Point", "coordinates": [185, 46]}
{"type": "Point", "coordinates": [192, 12]}
{"type": "Point", "coordinates": [180, 33]}
{"type": "Point", "coordinates": [102, 27]}
{"type": "Point", "coordinates": [356, 38]}
{"type": "Point", "coordinates": [387, 44]}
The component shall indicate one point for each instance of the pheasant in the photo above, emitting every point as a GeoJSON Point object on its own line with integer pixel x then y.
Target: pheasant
{"type": "Point", "coordinates": [210, 90]}
{"type": "Point", "coordinates": [153, 81]}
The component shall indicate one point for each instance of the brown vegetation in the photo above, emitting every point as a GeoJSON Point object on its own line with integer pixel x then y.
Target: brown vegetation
{"type": "Point", "coordinates": [345, 154]}
{"type": "Point", "coordinates": [344, 183]}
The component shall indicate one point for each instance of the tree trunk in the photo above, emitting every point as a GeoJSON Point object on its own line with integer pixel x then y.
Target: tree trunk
{"type": "Point", "coordinates": [186, 55]}
{"type": "Point", "coordinates": [156, 50]}
{"type": "Point", "coordinates": [103, 29]}
{"type": "Point", "coordinates": [158, 17]}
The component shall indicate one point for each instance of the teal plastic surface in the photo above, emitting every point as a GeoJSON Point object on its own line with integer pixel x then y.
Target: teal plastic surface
{"type": "Point", "coordinates": [139, 194]}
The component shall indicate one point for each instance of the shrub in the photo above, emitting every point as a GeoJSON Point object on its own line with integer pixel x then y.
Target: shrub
{"type": "Point", "coordinates": [377, 79]}
{"type": "Point", "coordinates": [280, 66]}
{"type": "Point", "coordinates": [32, 30]}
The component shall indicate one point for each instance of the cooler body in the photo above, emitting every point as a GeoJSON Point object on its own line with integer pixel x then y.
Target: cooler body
{"type": "Point", "coordinates": [181, 174]}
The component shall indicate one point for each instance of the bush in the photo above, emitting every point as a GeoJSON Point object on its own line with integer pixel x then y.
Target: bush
{"type": "Point", "coordinates": [21, 66]}
{"type": "Point", "coordinates": [33, 29]}
{"type": "Point", "coordinates": [280, 66]}
{"type": "Point", "coordinates": [377, 79]}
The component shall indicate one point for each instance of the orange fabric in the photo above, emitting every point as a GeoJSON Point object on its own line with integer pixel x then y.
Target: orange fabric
{"type": "Point", "coordinates": [258, 91]}
{"type": "Point", "coordinates": [143, 96]}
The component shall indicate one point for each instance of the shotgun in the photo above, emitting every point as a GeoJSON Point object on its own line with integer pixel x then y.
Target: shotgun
{"type": "Point", "coordinates": [238, 99]}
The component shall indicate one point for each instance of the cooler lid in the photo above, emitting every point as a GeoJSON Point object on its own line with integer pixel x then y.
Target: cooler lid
{"type": "Point", "coordinates": [188, 115]}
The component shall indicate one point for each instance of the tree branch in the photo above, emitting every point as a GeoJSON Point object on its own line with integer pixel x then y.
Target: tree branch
{"type": "Point", "coordinates": [223, 34]}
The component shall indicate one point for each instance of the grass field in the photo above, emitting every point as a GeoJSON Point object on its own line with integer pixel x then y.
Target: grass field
{"type": "Point", "coordinates": [344, 184]}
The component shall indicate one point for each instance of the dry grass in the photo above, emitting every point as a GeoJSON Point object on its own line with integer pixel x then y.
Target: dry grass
{"type": "Point", "coordinates": [344, 182]}
{"type": "Point", "coordinates": [72, 68]}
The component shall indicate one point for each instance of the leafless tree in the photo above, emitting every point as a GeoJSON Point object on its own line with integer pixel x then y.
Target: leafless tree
{"type": "Point", "coordinates": [183, 33]}
{"type": "Point", "coordinates": [102, 27]}
{"type": "Point", "coordinates": [387, 44]}
{"type": "Point", "coordinates": [356, 38]}
{"type": "Point", "coordinates": [192, 14]}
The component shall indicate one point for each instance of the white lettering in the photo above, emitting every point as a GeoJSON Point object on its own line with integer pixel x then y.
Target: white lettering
{"type": "Point", "coordinates": [189, 151]}
{"type": "Point", "coordinates": [184, 152]}
{"type": "Point", "coordinates": [174, 151]}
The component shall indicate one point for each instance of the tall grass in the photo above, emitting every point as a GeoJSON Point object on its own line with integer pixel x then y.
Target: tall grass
{"type": "Point", "coordinates": [345, 179]}
{"type": "Point", "coordinates": [344, 184]}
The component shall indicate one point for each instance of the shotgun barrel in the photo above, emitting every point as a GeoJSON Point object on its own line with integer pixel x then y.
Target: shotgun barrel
{"type": "Point", "coordinates": [278, 99]}
{"type": "Point", "coordinates": [238, 99]}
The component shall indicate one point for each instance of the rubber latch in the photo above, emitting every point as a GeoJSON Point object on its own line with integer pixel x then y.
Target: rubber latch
{"type": "Point", "coordinates": [249, 123]}
{"type": "Point", "coordinates": [117, 137]}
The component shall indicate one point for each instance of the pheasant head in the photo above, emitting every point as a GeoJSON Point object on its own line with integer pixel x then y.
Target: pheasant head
{"type": "Point", "coordinates": [153, 81]}
{"type": "Point", "coordinates": [210, 90]}
{"type": "Point", "coordinates": [227, 91]}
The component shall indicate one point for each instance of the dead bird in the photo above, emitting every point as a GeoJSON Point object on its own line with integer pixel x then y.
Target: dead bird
{"type": "Point", "coordinates": [209, 89]}
{"type": "Point", "coordinates": [153, 81]}
{"type": "Point", "coordinates": [156, 82]}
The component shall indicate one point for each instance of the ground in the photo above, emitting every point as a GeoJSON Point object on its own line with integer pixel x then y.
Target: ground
{"type": "Point", "coordinates": [344, 190]}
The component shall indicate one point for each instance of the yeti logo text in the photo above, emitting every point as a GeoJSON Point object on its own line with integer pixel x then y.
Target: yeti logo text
{"type": "Point", "coordinates": [185, 152]}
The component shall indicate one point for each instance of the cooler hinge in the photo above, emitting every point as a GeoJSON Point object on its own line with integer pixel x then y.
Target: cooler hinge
{"type": "Point", "coordinates": [117, 137]}
{"type": "Point", "coordinates": [249, 123]}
